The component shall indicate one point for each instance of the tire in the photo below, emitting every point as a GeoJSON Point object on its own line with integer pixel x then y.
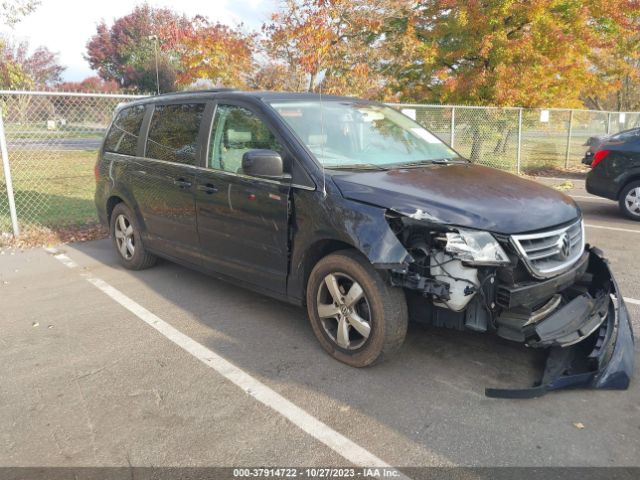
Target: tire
{"type": "Point", "coordinates": [133, 254]}
{"type": "Point", "coordinates": [629, 201]}
{"type": "Point", "coordinates": [382, 307]}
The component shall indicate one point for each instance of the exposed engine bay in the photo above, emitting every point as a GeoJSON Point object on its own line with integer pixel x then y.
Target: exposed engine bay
{"type": "Point", "coordinates": [545, 290]}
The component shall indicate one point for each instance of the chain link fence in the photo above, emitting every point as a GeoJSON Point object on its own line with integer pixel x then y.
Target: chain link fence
{"type": "Point", "coordinates": [520, 140]}
{"type": "Point", "coordinates": [52, 140]}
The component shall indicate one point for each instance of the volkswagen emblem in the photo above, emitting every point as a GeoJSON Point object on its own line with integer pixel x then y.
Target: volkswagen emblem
{"type": "Point", "coordinates": [565, 245]}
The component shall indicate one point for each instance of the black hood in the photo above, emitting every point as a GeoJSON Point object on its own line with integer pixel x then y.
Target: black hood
{"type": "Point", "coordinates": [464, 195]}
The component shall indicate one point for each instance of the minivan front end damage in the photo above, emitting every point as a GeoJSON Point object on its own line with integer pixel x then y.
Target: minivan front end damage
{"type": "Point", "coordinates": [547, 290]}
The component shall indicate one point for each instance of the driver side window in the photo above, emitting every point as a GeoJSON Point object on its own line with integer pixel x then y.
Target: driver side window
{"type": "Point", "coordinates": [235, 131]}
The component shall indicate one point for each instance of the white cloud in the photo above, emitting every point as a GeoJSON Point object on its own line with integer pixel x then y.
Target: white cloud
{"type": "Point", "coordinates": [66, 26]}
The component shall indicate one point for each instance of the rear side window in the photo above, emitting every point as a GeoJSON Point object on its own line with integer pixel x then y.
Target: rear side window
{"type": "Point", "coordinates": [123, 134]}
{"type": "Point", "coordinates": [173, 133]}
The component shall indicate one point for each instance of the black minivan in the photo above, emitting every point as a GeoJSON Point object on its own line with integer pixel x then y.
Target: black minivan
{"type": "Point", "coordinates": [358, 212]}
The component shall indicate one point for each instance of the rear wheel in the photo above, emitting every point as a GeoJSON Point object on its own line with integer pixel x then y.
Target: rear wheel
{"type": "Point", "coordinates": [125, 233]}
{"type": "Point", "coordinates": [629, 201]}
{"type": "Point", "coordinates": [356, 315]}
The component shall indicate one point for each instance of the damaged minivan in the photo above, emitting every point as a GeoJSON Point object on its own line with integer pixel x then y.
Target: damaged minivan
{"type": "Point", "coordinates": [359, 213]}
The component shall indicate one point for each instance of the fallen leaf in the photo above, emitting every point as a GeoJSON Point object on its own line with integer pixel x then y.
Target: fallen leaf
{"type": "Point", "coordinates": [564, 186]}
{"type": "Point", "coordinates": [579, 425]}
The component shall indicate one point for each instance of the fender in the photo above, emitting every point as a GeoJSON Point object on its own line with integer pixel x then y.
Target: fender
{"type": "Point", "coordinates": [630, 175]}
{"type": "Point", "coordinates": [116, 171]}
{"type": "Point", "coordinates": [325, 223]}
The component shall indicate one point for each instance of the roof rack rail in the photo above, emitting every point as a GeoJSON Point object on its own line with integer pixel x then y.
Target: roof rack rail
{"type": "Point", "coordinates": [190, 92]}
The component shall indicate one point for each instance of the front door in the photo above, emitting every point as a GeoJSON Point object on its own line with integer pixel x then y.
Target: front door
{"type": "Point", "coordinates": [242, 220]}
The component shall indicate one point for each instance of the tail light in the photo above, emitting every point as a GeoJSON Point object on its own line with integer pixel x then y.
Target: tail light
{"type": "Point", "coordinates": [96, 170]}
{"type": "Point", "coordinates": [597, 158]}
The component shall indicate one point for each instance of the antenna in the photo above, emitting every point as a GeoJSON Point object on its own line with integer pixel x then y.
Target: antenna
{"type": "Point", "coordinates": [322, 140]}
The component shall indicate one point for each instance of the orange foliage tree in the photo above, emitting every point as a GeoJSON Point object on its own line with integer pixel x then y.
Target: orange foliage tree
{"type": "Point", "coordinates": [332, 42]}
{"type": "Point", "coordinates": [216, 53]}
{"type": "Point", "coordinates": [533, 53]}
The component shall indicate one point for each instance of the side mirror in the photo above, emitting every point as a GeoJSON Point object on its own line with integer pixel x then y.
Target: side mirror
{"type": "Point", "coordinates": [263, 163]}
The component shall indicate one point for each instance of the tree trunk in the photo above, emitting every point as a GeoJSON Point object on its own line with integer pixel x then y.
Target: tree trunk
{"type": "Point", "coordinates": [476, 146]}
{"type": "Point", "coordinates": [312, 79]}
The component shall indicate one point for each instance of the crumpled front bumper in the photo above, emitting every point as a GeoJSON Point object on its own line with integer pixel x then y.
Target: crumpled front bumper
{"type": "Point", "coordinates": [604, 359]}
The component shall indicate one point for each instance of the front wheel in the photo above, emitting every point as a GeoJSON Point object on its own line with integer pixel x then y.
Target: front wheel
{"type": "Point", "coordinates": [630, 201]}
{"type": "Point", "coordinates": [357, 317]}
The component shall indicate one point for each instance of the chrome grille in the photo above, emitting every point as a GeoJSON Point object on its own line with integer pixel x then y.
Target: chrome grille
{"type": "Point", "coordinates": [551, 252]}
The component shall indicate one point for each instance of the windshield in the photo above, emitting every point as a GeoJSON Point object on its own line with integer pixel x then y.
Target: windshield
{"type": "Point", "coordinates": [348, 134]}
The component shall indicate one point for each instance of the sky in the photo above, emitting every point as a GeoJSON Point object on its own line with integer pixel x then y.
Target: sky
{"type": "Point", "coordinates": [65, 26]}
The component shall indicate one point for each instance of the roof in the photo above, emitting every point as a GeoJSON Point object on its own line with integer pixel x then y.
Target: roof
{"type": "Point", "coordinates": [261, 95]}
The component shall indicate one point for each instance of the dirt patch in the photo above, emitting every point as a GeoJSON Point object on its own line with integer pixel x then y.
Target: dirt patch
{"type": "Point", "coordinates": [44, 236]}
{"type": "Point", "coordinates": [577, 171]}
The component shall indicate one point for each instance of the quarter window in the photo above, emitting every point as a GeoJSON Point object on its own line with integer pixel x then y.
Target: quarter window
{"type": "Point", "coordinates": [123, 134]}
{"type": "Point", "coordinates": [173, 133]}
{"type": "Point", "coordinates": [235, 131]}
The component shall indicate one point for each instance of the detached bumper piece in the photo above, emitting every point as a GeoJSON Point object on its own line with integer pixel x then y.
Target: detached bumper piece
{"type": "Point", "coordinates": [590, 340]}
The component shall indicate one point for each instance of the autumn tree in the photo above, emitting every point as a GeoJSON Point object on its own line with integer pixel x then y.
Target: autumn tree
{"type": "Point", "coordinates": [126, 51]}
{"type": "Point", "coordinates": [535, 53]}
{"type": "Point", "coordinates": [334, 41]}
{"type": "Point", "coordinates": [12, 11]}
{"type": "Point", "coordinates": [93, 84]}
{"type": "Point", "coordinates": [621, 69]}
{"type": "Point", "coordinates": [20, 69]}
{"type": "Point", "coordinates": [217, 53]}
{"type": "Point", "coordinates": [12, 74]}
{"type": "Point", "coordinates": [277, 76]}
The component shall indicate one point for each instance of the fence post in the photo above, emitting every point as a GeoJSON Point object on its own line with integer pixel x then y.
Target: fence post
{"type": "Point", "coordinates": [7, 178]}
{"type": "Point", "coordinates": [566, 156]}
{"type": "Point", "coordinates": [519, 150]}
{"type": "Point", "coordinates": [453, 126]}
{"type": "Point", "coordinates": [609, 123]}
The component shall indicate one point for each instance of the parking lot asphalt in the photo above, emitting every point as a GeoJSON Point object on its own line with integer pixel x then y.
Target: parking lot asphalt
{"type": "Point", "coordinates": [87, 382]}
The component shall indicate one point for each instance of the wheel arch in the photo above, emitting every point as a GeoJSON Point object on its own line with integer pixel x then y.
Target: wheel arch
{"type": "Point", "coordinates": [115, 199]}
{"type": "Point", "coordinates": [633, 176]}
{"type": "Point", "coordinates": [316, 252]}
{"type": "Point", "coordinates": [112, 201]}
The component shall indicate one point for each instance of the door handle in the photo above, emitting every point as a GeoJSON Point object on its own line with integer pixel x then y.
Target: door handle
{"type": "Point", "coordinates": [207, 188]}
{"type": "Point", "coordinates": [182, 183]}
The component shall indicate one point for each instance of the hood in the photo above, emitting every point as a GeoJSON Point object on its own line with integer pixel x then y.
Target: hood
{"type": "Point", "coordinates": [464, 195]}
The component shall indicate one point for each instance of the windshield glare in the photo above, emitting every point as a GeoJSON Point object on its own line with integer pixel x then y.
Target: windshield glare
{"type": "Point", "coordinates": [345, 134]}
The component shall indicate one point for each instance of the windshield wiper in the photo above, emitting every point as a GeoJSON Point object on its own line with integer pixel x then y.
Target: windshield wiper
{"type": "Point", "coordinates": [418, 163]}
{"type": "Point", "coordinates": [358, 166]}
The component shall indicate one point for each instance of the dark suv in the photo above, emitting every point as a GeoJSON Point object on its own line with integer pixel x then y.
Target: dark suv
{"type": "Point", "coordinates": [615, 170]}
{"type": "Point", "coordinates": [356, 211]}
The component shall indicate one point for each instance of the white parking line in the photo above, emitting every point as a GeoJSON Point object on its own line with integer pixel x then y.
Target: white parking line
{"type": "Point", "coordinates": [306, 422]}
{"type": "Point", "coordinates": [62, 257]}
{"type": "Point", "coordinates": [631, 300]}
{"type": "Point", "coordinates": [615, 229]}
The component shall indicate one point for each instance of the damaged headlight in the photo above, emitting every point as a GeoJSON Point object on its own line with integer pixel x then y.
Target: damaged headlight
{"type": "Point", "coordinates": [475, 247]}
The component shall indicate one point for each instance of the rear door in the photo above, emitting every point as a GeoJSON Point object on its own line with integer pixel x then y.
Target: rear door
{"type": "Point", "coordinates": [164, 182]}
{"type": "Point", "coordinates": [243, 220]}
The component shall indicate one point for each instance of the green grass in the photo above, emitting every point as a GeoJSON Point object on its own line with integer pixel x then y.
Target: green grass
{"type": "Point", "coordinates": [52, 189]}
{"type": "Point", "coordinates": [537, 153]}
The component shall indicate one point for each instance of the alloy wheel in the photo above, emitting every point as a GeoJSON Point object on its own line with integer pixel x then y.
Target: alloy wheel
{"type": "Point", "coordinates": [344, 311]}
{"type": "Point", "coordinates": [632, 201]}
{"type": "Point", "coordinates": [124, 237]}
